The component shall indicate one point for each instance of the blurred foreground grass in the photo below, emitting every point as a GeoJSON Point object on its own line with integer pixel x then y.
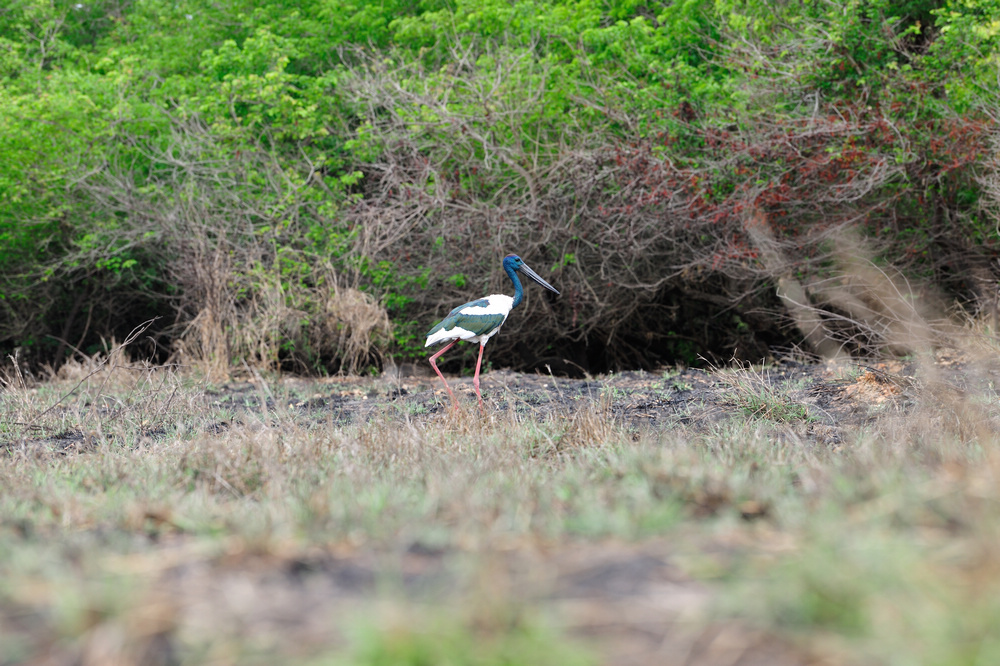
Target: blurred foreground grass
{"type": "Point", "coordinates": [143, 523]}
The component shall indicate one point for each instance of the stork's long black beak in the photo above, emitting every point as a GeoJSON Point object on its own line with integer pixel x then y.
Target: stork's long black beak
{"type": "Point", "coordinates": [534, 276]}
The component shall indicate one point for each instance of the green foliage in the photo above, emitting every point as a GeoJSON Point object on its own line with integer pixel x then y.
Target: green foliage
{"type": "Point", "coordinates": [507, 640]}
{"type": "Point", "coordinates": [966, 53]}
{"type": "Point", "coordinates": [384, 277]}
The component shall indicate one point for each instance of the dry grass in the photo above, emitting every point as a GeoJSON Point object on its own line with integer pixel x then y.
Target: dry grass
{"type": "Point", "coordinates": [257, 317]}
{"type": "Point", "coordinates": [145, 520]}
{"type": "Point", "coordinates": [754, 393]}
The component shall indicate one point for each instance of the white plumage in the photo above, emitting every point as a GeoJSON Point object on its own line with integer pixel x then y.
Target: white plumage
{"type": "Point", "coordinates": [498, 304]}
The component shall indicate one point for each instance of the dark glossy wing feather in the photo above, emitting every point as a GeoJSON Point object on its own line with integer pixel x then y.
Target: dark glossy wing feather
{"type": "Point", "coordinates": [449, 322]}
{"type": "Point", "coordinates": [478, 323]}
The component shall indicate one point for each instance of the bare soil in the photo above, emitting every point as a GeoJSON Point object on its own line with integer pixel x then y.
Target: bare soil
{"type": "Point", "coordinates": [832, 396]}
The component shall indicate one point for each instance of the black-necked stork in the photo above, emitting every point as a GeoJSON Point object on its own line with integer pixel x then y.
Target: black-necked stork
{"type": "Point", "coordinates": [480, 320]}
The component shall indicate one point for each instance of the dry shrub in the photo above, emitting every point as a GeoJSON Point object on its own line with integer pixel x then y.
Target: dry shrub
{"type": "Point", "coordinates": [876, 309]}
{"type": "Point", "coordinates": [862, 306]}
{"type": "Point", "coordinates": [347, 323]}
{"type": "Point", "coordinates": [206, 272]}
{"type": "Point", "coordinates": [647, 239]}
{"type": "Point", "coordinates": [258, 319]}
{"type": "Point", "coordinates": [322, 326]}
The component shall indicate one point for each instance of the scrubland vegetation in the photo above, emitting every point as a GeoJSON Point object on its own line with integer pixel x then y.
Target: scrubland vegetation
{"type": "Point", "coordinates": [223, 225]}
{"type": "Point", "coordinates": [305, 185]}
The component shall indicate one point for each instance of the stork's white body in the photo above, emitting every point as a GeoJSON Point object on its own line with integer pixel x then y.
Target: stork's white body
{"type": "Point", "coordinates": [496, 304]}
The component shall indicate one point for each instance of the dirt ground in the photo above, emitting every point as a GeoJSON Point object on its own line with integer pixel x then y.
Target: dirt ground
{"type": "Point", "coordinates": [831, 396]}
{"type": "Point", "coordinates": [631, 600]}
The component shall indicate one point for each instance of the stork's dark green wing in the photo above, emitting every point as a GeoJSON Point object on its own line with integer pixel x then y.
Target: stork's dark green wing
{"type": "Point", "coordinates": [474, 323]}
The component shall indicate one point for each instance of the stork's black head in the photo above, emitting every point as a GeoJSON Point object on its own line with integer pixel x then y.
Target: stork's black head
{"type": "Point", "coordinates": [514, 262]}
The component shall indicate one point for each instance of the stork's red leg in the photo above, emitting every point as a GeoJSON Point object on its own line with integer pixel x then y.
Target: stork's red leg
{"type": "Point", "coordinates": [434, 365]}
{"type": "Point", "coordinates": [475, 380]}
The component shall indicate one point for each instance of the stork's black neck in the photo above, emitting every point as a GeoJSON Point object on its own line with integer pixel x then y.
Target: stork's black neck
{"type": "Point", "coordinates": [518, 290]}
